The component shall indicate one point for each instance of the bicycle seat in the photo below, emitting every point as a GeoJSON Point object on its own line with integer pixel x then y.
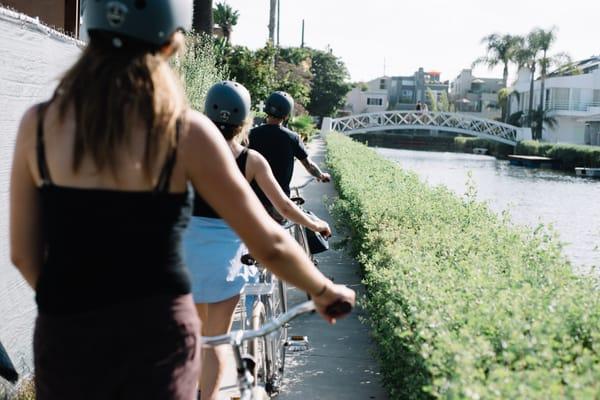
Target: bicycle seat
{"type": "Point", "coordinates": [247, 259]}
{"type": "Point", "coordinates": [298, 200]}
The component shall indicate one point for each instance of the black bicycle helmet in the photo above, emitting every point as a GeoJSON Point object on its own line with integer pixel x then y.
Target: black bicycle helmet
{"type": "Point", "coordinates": [228, 103]}
{"type": "Point", "coordinates": [149, 21]}
{"type": "Point", "coordinates": [279, 105]}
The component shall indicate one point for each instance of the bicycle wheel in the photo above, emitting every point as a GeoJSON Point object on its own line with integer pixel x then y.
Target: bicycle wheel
{"type": "Point", "coordinates": [275, 305]}
{"type": "Point", "coordinates": [257, 348]}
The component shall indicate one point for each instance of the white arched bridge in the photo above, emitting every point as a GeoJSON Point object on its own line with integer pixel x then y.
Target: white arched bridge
{"type": "Point", "coordinates": [426, 120]}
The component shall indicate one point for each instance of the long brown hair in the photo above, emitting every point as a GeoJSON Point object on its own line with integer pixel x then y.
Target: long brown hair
{"type": "Point", "coordinates": [110, 89]}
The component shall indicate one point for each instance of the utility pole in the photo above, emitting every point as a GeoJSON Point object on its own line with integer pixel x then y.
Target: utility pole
{"type": "Point", "coordinates": [302, 42]}
{"type": "Point", "coordinates": [278, 19]}
{"type": "Point", "coordinates": [272, 18]}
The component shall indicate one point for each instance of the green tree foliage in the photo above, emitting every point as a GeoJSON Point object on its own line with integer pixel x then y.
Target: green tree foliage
{"type": "Point", "coordinates": [226, 17]}
{"type": "Point", "coordinates": [330, 83]}
{"type": "Point", "coordinates": [444, 103]}
{"type": "Point", "coordinates": [199, 68]}
{"type": "Point", "coordinates": [253, 69]}
{"type": "Point", "coordinates": [432, 100]}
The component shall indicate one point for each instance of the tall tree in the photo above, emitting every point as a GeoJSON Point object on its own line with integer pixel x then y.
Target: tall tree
{"type": "Point", "coordinates": [226, 17]}
{"type": "Point", "coordinates": [545, 40]}
{"type": "Point", "coordinates": [203, 16]}
{"type": "Point", "coordinates": [499, 49]}
{"type": "Point", "coordinates": [272, 19]}
{"type": "Point", "coordinates": [533, 48]}
{"type": "Point", "coordinates": [330, 83]}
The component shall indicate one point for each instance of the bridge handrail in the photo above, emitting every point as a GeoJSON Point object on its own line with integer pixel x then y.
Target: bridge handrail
{"type": "Point", "coordinates": [452, 122]}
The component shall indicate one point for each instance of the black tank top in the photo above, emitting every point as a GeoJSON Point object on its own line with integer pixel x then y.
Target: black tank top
{"type": "Point", "coordinates": [201, 207]}
{"type": "Point", "coordinates": [104, 247]}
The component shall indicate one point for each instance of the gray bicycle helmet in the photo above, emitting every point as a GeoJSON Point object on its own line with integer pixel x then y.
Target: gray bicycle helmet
{"type": "Point", "coordinates": [227, 102]}
{"type": "Point", "coordinates": [150, 21]}
{"type": "Point", "coordinates": [279, 105]}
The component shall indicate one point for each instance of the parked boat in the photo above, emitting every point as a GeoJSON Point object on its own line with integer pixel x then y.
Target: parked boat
{"type": "Point", "coordinates": [533, 161]}
{"type": "Point", "coordinates": [591, 172]}
{"type": "Point", "coordinates": [479, 150]}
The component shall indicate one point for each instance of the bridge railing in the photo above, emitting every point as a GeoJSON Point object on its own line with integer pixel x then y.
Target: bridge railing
{"type": "Point", "coordinates": [452, 122]}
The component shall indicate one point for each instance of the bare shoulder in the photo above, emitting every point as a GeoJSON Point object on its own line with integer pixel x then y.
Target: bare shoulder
{"type": "Point", "coordinates": [26, 135]}
{"type": "Point", "coordinates": [257, 159]}
{"type": "Point", "coordinates": [198, 127]}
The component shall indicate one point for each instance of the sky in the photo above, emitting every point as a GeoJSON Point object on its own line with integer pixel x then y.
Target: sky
{"type": "Point", "coordinates": [441, 35]}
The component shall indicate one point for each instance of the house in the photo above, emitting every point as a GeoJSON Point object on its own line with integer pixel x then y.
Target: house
{"type": "Point", "coordinates": [59, 14]}
{"type": "Point", "coordinates": [395, 92]}
{"type": "Point", "coordinates": [475, 95]}
{"type": "Point", "coordinates": [368, 97]}
{"type": "Point", "coordinates": [571, 98]}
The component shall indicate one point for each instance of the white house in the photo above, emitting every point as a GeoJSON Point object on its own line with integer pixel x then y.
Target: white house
{"type": "Point", "coordinates": [573, 99]}
{"type": "Point", "coordinates": [370, 97]}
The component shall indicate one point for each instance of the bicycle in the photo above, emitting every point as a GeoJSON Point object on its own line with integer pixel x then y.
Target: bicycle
{"type": "Point", "coordinates": [249, 387]}
{"type": "Point", "coordinates": [270, 301]}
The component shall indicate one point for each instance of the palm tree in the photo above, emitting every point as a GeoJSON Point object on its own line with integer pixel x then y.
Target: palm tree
{"type": "Point", "coordinates": [203, 16]}
{"type": "Point", "coordinates": [499, 50]}
{"type": "Point", "coordinates": [272, 18]}
{"type": "Point", "coordinates": [545, 39]}
{"type": "Point", "coordinates": [226, 17]}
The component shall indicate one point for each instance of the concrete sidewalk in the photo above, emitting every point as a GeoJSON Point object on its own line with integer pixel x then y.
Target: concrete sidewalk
{"type": "Point", "coordinates": [338, 364]}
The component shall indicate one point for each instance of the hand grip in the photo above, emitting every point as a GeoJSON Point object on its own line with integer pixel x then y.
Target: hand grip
{"type": "Point", "coordinates": [338, 309]}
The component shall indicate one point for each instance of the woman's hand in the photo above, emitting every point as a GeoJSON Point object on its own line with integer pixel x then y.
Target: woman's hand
{"type": "Point", "coordinates": [322, 227]}
{"type": "Point", "coordinates": [330, 295]}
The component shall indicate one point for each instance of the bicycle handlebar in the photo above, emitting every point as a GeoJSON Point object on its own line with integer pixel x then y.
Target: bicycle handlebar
{"type": "Point", "coordinates": [237, 337]}
{"type": "Point", "coordinates": [309, 180]}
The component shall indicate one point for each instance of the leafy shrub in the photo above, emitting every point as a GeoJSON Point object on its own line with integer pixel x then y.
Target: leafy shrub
{"type": "Point", "coordinates": [570, 155]}
{"type": "Point", "coordinates": [304, 126]}
{"type": "Point", "coordinates": [199, 68]}
{"type": "Point", "coordinates": [462, 304]}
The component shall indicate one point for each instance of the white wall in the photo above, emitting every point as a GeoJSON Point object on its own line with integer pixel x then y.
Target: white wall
{"type": "Point", "coordinates": [31, 58]}
{"type": "Point", "coordinates": [567, 130]}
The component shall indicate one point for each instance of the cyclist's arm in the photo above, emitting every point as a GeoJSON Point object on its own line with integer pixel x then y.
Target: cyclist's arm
{"type": "Point", "coordinates": [26, 243]}
{"type": "Point", "coordinates": [214, 173]}
{"type": "Point", "coordinates": [314, 170]}
{"type": "Point", "coordinates": [259, 169]}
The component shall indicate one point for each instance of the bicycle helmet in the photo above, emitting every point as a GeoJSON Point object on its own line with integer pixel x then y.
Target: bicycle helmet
{"type": "Point", "coordinates": [279, 105]}
{"type": "Point", "coordinates": [228, 103]}
{"type": "Point", "coordinates": [149, 21]}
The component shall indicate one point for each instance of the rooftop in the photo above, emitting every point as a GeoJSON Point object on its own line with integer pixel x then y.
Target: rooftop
{"type": "Point", "coordinates": [585, 66]}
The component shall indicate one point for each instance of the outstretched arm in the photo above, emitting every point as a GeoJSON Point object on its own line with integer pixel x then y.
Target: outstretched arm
{"type": "Point", "coordinates": [314, 170]}
{"type": "Point", "coordinates": [26, 240]}
{"type": "Point", "coordinates": [213, 172]}
{"type": "Point", "coordinates": [260, 170]}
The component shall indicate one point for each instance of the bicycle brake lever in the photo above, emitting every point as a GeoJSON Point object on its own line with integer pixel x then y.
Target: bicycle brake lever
{"type": "Point", "coordinates": [338, 309]}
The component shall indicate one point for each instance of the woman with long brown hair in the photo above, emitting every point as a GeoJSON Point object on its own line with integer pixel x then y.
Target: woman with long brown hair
{"type": "Point", "coordinates": [99, 202]}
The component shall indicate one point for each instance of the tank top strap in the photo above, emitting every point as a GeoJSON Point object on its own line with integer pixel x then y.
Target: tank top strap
{"type": "Point", "coordinates": [165, 174]}
{"type": "Point", "coordinates": [241, 160]}
{"type": "Point", "coordinates": [41, 148]}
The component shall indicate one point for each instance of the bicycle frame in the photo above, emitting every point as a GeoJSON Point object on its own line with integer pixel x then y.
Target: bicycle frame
{"type": "Point", "coordinates": [237, 338]}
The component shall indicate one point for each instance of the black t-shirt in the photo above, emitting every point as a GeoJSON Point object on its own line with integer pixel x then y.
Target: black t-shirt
{"type": "Point", "coordinates": [279, 146]}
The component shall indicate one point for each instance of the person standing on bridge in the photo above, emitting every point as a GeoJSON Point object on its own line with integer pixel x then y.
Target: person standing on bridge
{"type": "Point", "coordinates": [280, 145]}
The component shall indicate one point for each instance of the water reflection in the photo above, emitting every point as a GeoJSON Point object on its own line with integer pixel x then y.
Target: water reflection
{"type": "Point", "coordinates": [532, 196]}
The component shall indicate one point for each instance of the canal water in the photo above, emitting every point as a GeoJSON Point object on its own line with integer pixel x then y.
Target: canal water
{"type": "Point", "coordinates": [532, 196]}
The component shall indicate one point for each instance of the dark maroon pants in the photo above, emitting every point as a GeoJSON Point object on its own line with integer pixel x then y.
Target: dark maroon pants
{"type": "Point", "coordinates": [145, 349]}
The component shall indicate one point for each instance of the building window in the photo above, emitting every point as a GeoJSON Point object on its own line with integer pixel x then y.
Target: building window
{"type": "Point", "coordinates": [406, 82]}
{"type": "Point", "coordinates": [382, 84]}
{"type": "Point", "coordinates": [407, 93]}
{"type": "Point", "coordinates": [374, 101]}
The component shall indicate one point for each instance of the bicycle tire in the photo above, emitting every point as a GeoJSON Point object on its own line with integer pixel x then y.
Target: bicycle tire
{"type": "Point", "coordinates": [257, 348]}
{"type": "Point", "coordinates": [275, 305]}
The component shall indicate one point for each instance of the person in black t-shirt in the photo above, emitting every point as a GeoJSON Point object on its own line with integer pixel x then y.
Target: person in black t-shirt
{"type": "Point", "coordinates": [279, 145]}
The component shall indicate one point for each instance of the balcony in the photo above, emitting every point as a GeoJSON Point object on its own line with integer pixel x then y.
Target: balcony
{"type": "Point", "coordinates": [573, 106]}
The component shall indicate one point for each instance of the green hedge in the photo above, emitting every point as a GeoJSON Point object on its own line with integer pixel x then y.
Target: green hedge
{"type": "Point", "coordinates": [570, 155]}
{"type": "Point", "coordinates": [463, 304]}
{"type": "Point", "coordinates": [466, 144]}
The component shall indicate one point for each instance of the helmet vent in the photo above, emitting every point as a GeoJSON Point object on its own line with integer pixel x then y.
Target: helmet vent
{"type": "Point", "coordinates": [140, 4]}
